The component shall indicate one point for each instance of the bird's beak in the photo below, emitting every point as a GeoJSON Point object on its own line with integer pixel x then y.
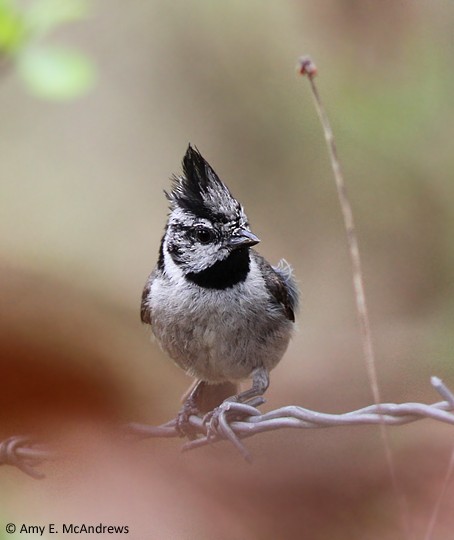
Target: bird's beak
{"type": "Point", "coordinates": [243, 238]}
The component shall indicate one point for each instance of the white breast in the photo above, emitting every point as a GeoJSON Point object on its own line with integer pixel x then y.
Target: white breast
{"type": "Point", "coordinates": [217, 335]}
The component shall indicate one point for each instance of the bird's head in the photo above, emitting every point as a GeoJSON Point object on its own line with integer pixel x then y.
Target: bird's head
{"type": "Point", "coordinates": [206, 223]}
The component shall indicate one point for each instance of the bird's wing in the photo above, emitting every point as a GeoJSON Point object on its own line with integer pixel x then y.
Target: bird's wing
{"type": "Point", "coordinates": [281, 284]}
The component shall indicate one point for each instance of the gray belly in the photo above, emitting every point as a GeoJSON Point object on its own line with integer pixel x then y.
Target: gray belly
{"type": "Point", "coordinates": [216, 336]}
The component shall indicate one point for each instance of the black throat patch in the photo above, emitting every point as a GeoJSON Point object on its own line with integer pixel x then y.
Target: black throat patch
{"type": "Point", "coordinates": [223, 274]}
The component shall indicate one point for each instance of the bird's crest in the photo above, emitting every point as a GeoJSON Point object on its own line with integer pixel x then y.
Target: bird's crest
{"type": "Point", "coordinates": [200, 191]}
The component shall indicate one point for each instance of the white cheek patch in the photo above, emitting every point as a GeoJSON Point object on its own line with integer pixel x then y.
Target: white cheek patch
{"type": "Point", "coordinates": [204, 256]}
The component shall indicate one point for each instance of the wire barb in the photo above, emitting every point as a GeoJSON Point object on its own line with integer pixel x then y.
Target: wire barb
{"type": "Point", "coordinates": [20, 452]}
{"type": "Point", "coordinates": [234, 429]}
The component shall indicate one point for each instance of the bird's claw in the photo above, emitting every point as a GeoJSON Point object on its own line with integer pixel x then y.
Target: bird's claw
{"type": "Point", "coordinates": [182, 422]}
{"type": "Point", "coordinates": [218, 421]}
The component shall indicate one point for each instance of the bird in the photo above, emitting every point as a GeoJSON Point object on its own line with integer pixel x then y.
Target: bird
{"type": "Point", "coordinates": [216, 306]}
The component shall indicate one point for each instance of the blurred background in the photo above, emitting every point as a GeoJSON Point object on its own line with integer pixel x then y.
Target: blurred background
{"type": "Point", "coordinates": [82, 212]}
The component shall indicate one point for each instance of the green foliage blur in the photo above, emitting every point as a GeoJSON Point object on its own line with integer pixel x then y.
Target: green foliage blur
{"type": "Point", "coordinates": [48, 71]}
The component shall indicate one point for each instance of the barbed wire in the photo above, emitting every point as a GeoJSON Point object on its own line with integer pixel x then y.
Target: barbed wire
{"type": "Point", "coordinates": [22, 452]}
{"type": "Point", "coordinates": [236, 421]}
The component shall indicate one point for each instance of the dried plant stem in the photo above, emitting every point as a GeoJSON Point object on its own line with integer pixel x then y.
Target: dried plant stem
{"type": "Point", "coordinates": [308, 68]}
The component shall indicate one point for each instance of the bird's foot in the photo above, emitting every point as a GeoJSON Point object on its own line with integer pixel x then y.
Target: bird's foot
{"type": "Point", "coordinates": [218, 421]}
{"type": "Point", "coordinates": [182, 420]}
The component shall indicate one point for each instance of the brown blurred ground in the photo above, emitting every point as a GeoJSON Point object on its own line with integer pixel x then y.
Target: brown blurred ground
{"type": "Point", "coordinates": [82, 211]}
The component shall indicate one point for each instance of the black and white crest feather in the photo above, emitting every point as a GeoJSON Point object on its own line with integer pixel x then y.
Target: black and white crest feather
{"type": "Point", "coordinates": [201, 192]}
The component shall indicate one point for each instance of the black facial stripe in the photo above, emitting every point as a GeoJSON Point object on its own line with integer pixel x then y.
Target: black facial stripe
{"type": "Point", "coordinates": [223, 274]}
{"type": "Point", "coordinates": [190, 232]}
{"type": "Point", "coordinates": [176, 253]}
{"type": "Point", "coordinates": [179, 227]}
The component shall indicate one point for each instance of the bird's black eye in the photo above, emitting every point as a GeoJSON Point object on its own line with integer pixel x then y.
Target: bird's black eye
{"type": "Point", "coordinates": [203, 235]}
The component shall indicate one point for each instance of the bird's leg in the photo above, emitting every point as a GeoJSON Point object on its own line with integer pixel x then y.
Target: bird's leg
{"type": "Point", "coordinates": [189, 408]}
{"type": "Point", "coordinates": [238, 406]}
{"type": "Point", "coordinates": [260, 383]}
{"type": "Point", "coordinates": [200, 398]}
